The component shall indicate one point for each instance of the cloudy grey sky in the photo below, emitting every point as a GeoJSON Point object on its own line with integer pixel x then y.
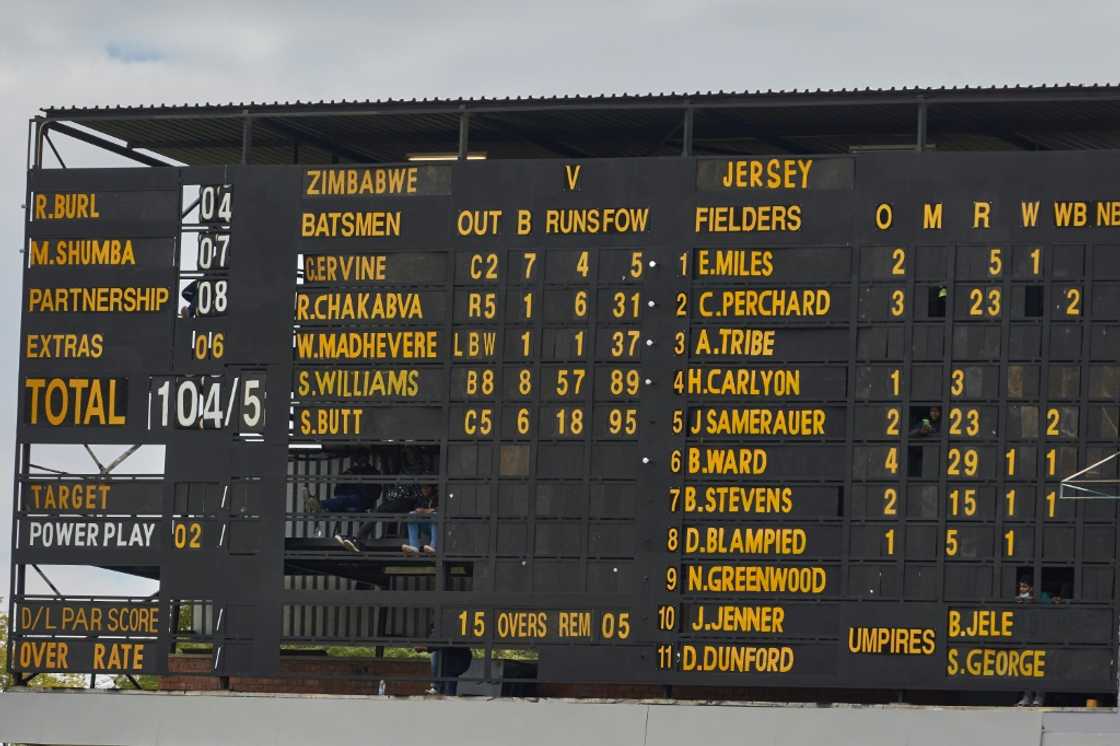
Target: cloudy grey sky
{"type": "Point", "coordinates": [84, 53]}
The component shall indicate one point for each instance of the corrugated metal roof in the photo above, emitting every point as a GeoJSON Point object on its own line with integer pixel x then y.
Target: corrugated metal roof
{"type": "Point", "coordinates": [696, 97]}
{"type": "Point", "coordinates": [1066, 116]}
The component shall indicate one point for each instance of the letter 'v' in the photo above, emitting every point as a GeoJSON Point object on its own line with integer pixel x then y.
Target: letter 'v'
{"type": "Point", "coordinates": [571, 175]}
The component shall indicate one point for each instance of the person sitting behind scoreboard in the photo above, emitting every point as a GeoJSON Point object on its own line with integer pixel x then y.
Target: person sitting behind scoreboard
{"type": "Point", "coordinates": [421, 520]}
{"type": "Point", "coordinates": [400, 497]}
{"type": "Point", "coordinates": [349, 497]}
{"type": "Point", "coordinates": [928, 425]}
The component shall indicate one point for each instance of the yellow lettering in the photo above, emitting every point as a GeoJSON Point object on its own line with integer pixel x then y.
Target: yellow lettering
{"type": "Point", "coordinates": [747, 218]}
{"type": "Point", "coordinates": [65, 402]}
{"type": "Point", "coordinates": [981, 214]}
{"type": "Point", "coordinates": [571, 175]}
{"type": "Point", "coordinates": [931, 216]}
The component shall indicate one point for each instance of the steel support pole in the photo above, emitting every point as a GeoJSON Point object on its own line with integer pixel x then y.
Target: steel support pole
{"type": "Point", "coordinates": [246, 138]}
{"type": "Point", "coordinates": [920, 145]}
{"type": "Point", "coordinates": [464, 134]}
{"type": "Point", "coordinates": [32, 128]}
{"type": "Point", "coordinates": [40, 131]}
{"type": "Point", "coordinates": [686, 135]}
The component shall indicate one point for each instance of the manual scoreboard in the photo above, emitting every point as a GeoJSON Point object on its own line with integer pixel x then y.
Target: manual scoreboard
{"type": "Point", "coordinates": [775, 421]}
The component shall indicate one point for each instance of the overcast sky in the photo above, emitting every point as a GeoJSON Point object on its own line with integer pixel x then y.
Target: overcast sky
{"type": "Point", "coordinates": [108, 53]}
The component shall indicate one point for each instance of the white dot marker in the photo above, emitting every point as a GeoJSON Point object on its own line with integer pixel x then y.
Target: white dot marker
{"type": "Point", "coordinates": [649, 381]}
{"type": "Point", "coordinates": [652, 264]}
{"type": "Point", "coordinates": [649, 343]}
{"type": "Point", "coordinates": [651, 304]}
{"type": "Point", "coordinates": [645, 459]}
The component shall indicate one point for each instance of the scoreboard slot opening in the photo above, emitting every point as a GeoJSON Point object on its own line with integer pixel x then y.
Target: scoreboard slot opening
{"type": "Point", "coordinates": [1033, 301]}
{"type": "Point", "coordinates": [119, 460]}
{"type": "Point", "coordinates": [369, 513]}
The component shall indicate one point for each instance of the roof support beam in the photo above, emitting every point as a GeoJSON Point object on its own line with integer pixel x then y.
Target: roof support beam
{"type": "Point", "coordinates": [775, 141]}
{"type": "Point", "coordinates": [301, 135]}
{"type": "Point", "coordinates": [668, 140]}
{"type": "Point", "coordinates": [719, 148]}
{"type": "Point", "coordinates": [787, 147]}
{"type": "Point", "coordinates": [512, 130]}
{"type": "Point", "coordinates": [54, 150]}
{"type": "Point", "coordinates": [101, 142]}
{"type": "Point", "coordinates": [1021, 141]}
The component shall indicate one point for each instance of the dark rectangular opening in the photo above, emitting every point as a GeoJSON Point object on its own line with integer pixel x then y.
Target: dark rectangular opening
{"type": "Point", "coordinates": [936, 303]}
{"type": "Point", "coordinates": [1056, 585]}
{"type": "Point", "coordinates": [914, 458]}
{"type": "Point", "coordinates": [362, 493]}
{"type": "Point", "coordinates": [1032, 302]}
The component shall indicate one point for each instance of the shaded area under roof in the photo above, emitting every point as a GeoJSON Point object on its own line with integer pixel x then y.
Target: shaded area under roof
{"type": "Point", "coordinates": [1068, 117]}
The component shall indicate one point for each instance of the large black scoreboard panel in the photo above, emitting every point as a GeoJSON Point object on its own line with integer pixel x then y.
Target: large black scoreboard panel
{"type": "Point", "coordinates": [789, 421]}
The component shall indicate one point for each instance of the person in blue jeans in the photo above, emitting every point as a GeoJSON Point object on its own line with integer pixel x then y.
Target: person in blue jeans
{"type": "Point", "coordinates": [349, 497]}
{"type": "Point", "coordinates": [421, 520]}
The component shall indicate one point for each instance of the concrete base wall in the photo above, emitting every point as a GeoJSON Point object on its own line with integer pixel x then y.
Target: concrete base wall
{"type": "Point", "coordinates": [102, 718]}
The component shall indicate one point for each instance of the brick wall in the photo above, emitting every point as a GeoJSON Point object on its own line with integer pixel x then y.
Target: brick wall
{"type": "Point", "coordinates": [319, 674]}
{"type": "Point", "coordinates": [313, 674]}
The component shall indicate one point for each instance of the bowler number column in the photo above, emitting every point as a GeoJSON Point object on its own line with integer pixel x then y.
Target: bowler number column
{"type": "Point", "coordinates": [669, 583]}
